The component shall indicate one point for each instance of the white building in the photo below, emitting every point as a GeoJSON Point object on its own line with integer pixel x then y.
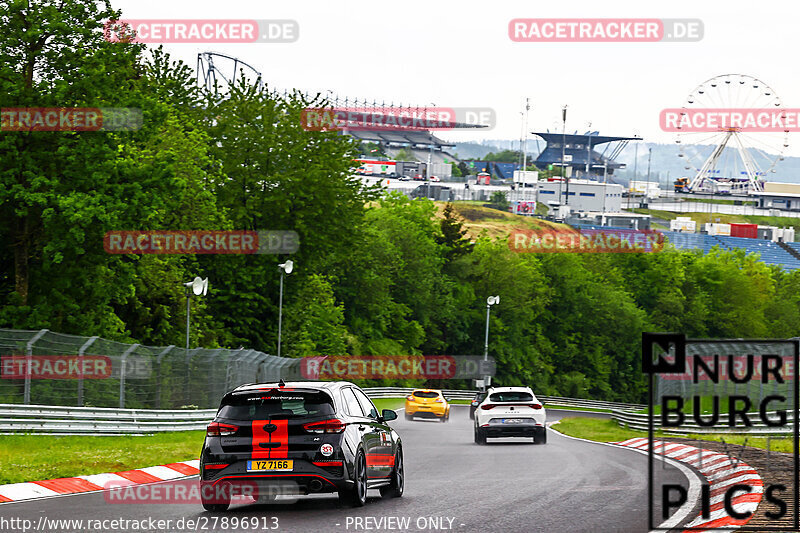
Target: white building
{"type": "Point", "coordinates": [648, 189]}
{"type": "Point", "coordinates": [583, 195]}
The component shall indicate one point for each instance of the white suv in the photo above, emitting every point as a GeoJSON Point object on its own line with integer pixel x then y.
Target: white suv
{"type": "Point", "coordinates": [510, 412]}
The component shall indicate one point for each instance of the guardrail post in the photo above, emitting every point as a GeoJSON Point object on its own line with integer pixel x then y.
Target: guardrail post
{"type": "Point", "coordinates": [28, 362]}
{"type": "Point", "coordinates": [122, 375]}
{"type": "Point", "coordinates": [158, 373]}
{"type": "Point", "coordinates": [80, 368]}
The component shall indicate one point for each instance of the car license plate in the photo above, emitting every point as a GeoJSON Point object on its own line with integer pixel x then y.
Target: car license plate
{"type": "Point", "coordinates": [269, 465]}
{"type": "Point", "coordinates": [513, 421]}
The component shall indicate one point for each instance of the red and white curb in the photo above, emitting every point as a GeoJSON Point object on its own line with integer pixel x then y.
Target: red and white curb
{"type": "Point", "coordinates": [721, 471]}
{"type": "Point", "coordinates": [96, 482]}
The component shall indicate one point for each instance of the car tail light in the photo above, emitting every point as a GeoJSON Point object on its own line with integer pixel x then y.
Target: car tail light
{"type": "Point", "coordinates": [487, 407]}
{"type": "Point", "coordinates": [439, 400]}
{"type": "Point", "coordinates": [410, 398]}
{"type": "Point", "coordinates": [536, 406]}
{"type": "Point", "coordinates": [215, 429]}
{"type": "Point", "coordinates": [334, 425]}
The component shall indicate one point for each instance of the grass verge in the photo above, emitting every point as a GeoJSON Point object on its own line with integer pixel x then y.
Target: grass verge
{"type": "Point", "coordinates": [35, 457]}
{"type": "Point", "coordinates": [607, 430]}
{"type": "Point", "coordinates": [567, 408]}
{"type": "Point", "coordinates": [388, 403]}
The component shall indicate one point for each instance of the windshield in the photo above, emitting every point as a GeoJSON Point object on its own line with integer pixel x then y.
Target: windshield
{"type": "Point", "coordinates": [511, 396]}
{"type": "Point", "coordinates": [291, 404]}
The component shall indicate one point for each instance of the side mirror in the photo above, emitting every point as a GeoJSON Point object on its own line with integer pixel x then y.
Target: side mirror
{"type": "Point", "coordinates": [388, 414]}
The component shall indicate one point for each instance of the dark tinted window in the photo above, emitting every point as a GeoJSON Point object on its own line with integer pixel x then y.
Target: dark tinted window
{"type": "Point", "coordinates": [366, 404]}
{"type": "Point", "coordinates": [423, 394]}
{"type": "Point", "coordinates": [285, 404]}
{"type": "Point", "coordinates": [511, 396]}
{"type": "Point", "coordinates": [350, 401]}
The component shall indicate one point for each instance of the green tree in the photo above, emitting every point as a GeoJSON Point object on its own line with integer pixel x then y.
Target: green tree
{"type": "Point", "coordinates": [315, 321]}
{"type": "Point", "coordinates": [499, 200]}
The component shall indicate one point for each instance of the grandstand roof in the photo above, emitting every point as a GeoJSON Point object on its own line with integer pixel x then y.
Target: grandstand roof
{"type": "Point", "coordinates": [576, 148]}
{"type": "Point", "coordinates": [399, 136]}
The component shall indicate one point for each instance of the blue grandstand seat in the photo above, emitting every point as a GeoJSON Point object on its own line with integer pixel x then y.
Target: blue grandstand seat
{"type": "Point", "coordinates": [769, 251]}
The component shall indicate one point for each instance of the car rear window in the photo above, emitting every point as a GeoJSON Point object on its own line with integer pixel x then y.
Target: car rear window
{"type": "Point", "coordinates": [285, 404]}
{"type": "Point", "coordinates": [423, 394]}
{"type": "Point", "coordinates": [511, 396]}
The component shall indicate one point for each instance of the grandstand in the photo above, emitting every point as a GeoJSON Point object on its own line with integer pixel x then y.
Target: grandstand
{"type": "Point", "coordinates": [771, 253]}
{"type": "Point", "coordinates": [422, 154]}
{"type": "Point", "coordinates": [578, 149]}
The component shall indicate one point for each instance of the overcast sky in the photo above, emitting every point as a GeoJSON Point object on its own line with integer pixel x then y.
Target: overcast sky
{"type": "Point", "coordinates": [458, 53]}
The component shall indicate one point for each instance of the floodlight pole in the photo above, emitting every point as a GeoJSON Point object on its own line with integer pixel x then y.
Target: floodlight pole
{"type": "Point", "coordinates": [199, 287]}
{"type": "Point", "coordinates": [486, 341]}
{"type": "Point", "coordinates": [280, 313]}
{"type": "Point", "coordinates": [188, 313]}
{"type": "Point", "coordinates": [563, 149]}
{"type": "Point", "coordinates": [489, 302]}
{"type": "Point", "coordinates": [286, 268]}
{"type": "Point", "coordinates": [525, 139]}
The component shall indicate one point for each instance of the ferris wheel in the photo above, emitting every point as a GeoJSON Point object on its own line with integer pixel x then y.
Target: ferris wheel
{"type": "Point", "coordinates": [731, 160]}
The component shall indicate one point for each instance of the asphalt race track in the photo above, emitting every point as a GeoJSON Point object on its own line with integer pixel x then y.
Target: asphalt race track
{"type": "Point", "coordinates": [451, 484]}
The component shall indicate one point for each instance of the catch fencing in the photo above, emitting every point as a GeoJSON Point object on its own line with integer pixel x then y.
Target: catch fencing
{"type": "Point", "coordinates": [115, 374]}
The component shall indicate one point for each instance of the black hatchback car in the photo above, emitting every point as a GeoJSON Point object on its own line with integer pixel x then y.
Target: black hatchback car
{"type": "Point", "coordinates": [299, 438]}
{"type": "Point", "coordinates": [475, 403]}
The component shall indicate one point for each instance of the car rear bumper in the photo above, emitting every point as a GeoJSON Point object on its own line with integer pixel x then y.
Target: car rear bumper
{"type": "Point", "coordinates": [293, 484]}
{"type": "Point", "coordinates": [306, 477]}
{"type": "Point", "coordinates": [427, 414]}
{"type": "Point", "coordinates": [419, 410]}
{"type": "Point", "coordinates": [497, 429]}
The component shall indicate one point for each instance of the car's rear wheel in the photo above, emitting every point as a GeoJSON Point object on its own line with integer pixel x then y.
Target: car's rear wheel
{"type": "Point", "coordinates": [395, 488]}
{"type": "Point", "coordinates": [409, 417]}
{"type": "Point", "coordinates": [480, 436]}
{"type": "Point", "coordinates": [357, 494]}
{"type": "Point", "coordinates": [540, 438]}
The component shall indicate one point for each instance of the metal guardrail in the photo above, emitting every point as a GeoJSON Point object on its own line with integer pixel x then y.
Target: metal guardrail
{"type": "Point", "coordinates": [395, 392]}
{"type": "Point", "coordinates": [62, 420]}
{"type": "Point", "coordinates": [15, 418]}
{"type": "Point", "coordinates": [640, 422]}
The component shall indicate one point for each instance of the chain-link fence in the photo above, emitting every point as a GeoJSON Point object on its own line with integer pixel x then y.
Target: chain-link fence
{"type": "Point", "coordinates": [42, 367]}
